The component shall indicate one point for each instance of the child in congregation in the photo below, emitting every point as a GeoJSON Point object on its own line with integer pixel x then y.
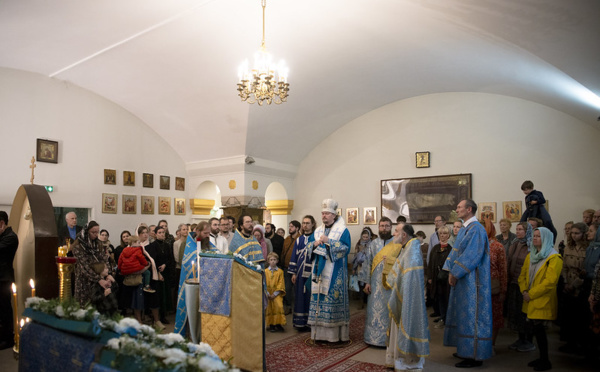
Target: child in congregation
{"type": "Point", "coordinates": [275, 316]}
{"type": "Point", "coordinates": [132, 262]}
{"type": "Point", "coordinates": [104, 299]}
{"type": "Point", "coordinates": [534, 207]}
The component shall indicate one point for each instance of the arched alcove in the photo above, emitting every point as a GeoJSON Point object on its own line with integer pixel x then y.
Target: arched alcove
{"type": "Point", "coordinates": [276, 191]}
{"type": "Point", "coordinates": [207, 200]}
{"type": "Point", "coordinates": [278, 204]}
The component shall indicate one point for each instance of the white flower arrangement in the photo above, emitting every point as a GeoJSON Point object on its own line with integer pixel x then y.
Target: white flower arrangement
{"type": "Point", "coordinates": [168, 351]}
{"type": "Point", "coordinates": [171, 338]}
{"type": "Point", "coordinates": [249, 263]}
{"type": "Point", "coordinates": [65, 310]}
{"type": "Point", "coordinates": [137, 341]}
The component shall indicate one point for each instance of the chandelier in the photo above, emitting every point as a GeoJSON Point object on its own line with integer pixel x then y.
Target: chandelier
{"type": "Point", "coordinates": [266, 82]}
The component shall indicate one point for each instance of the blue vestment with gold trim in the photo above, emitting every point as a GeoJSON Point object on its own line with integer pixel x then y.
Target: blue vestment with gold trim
{"type": "Point", "coordinates": [249, 248]}
{"type": "Point", "coordinates": [329, 306]}
{"type": "Point", "coordinates": [469, 317]}
{"type": "Point", "coordinates": [407, 301]}
{"type": "Point", "coordinates": [378, 315]}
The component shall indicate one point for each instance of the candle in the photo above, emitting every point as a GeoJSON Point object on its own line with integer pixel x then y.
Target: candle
{"type": "Point", "coordinates": [194, 270]}
{"type": "Point", "coordinates": [32, 285]}
{"type": "Point", "coordinates": [15, 312]}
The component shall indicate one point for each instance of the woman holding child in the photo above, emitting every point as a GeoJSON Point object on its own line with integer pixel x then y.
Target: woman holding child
{"type": "Point", "coordinates": [88, 250]}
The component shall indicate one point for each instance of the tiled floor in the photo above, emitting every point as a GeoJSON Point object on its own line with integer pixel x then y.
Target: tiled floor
{"type": "Point", "coordinates": [440, 359]}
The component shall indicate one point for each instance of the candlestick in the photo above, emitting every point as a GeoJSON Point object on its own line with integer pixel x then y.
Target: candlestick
{"type": "Point", "coordinates": [16, 314]}
{"type": "Point", "coordinates": [65, 268]}
{"type": "Point", "coordinates": [32, 285]}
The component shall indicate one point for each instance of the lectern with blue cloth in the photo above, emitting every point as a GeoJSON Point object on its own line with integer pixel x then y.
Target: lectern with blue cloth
{"type": "Point", "coordinates": [232, 310]}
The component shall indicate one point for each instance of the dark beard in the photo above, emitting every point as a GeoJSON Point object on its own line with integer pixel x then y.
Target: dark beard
{"type": "Point", "coordinates": [385, 236]}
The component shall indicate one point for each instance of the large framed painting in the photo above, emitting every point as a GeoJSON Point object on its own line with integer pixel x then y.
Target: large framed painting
{"type": "Point", "coordinates": [420, 199]}
{"type": "Point", "coordinates": [512, 210]}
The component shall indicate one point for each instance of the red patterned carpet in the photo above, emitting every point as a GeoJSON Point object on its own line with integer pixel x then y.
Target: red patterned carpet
{"type": "Point", "coordinates": [293, 353]}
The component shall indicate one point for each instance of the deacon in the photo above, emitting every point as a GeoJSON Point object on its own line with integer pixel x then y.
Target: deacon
{"type": "Point", "coordinates": [300, 270]}
{"type": "Point", "coordinates": [408, 342]}
{"type": "Point", "coordinates": [244, 243]}
{"type": "Point", "coordinates": [469, 316]}
{"type": "Point", "coordinates": [378, 319]}
{"type": "Point", "coordinates": [329, 314]}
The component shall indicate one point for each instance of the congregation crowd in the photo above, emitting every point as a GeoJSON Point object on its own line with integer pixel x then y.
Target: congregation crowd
{"type": "Point", "coordinates": [531, 285]}
{"type": "Point", "coordinates": [476, 281]}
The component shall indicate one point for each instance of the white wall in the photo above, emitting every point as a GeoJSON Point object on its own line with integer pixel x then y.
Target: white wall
{"type": "Point", "coordinates": [501, 140]}
{"type": "Point", "coordinates": [93, 134]}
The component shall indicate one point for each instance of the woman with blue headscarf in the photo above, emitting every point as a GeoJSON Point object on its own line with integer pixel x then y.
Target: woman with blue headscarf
{"type": "Point", "coordinates": [538, 280]}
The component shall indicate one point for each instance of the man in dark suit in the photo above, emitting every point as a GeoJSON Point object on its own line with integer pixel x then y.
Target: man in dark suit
{"type": "Point", "coordinates": [9, 242]}
{"type": "Point", "coordinates": [70, 231]}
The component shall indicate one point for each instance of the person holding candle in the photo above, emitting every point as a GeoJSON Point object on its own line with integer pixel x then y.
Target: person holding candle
{"type": "Point", "coordinates": [9, 242]}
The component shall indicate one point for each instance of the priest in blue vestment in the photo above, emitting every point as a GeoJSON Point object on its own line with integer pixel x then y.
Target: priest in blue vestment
{"type": "Point", "coordinates": [197, 241]}
{"type": "Point", "coordinates": [244, 243]}
{"type": "Point", "coordinates": [469, 317]}
{"type": "Point", "coordinates": [371, 273]}
{"type": "Point", "coordinates": [329, 315]}
{"type": "Point", "coordinates": [408, 343]}
{"type": "Point", "coordinates": [300, 269]}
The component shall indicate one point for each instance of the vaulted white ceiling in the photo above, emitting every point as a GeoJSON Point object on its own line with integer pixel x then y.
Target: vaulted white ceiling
{"type": "Point", "coordinates": [173, 63]}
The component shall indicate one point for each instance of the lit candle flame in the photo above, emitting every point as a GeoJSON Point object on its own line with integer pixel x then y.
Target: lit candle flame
{"type": "Point", "coordinates": [14, 288]}
{"type": "Point", "coordinates": [31, 283]}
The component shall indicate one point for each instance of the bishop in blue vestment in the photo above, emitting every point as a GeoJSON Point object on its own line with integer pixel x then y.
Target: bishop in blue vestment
{"type": "Point", "coordinates": [329, 314]}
